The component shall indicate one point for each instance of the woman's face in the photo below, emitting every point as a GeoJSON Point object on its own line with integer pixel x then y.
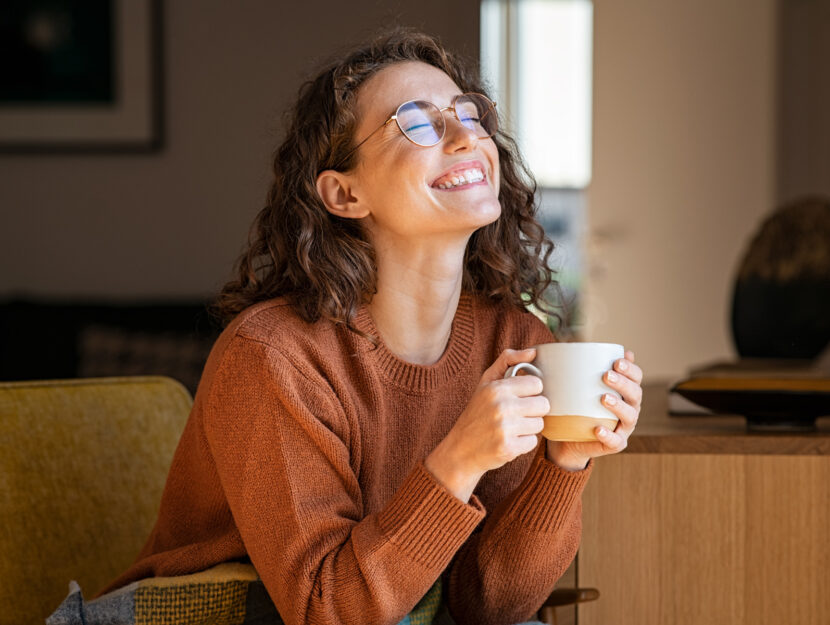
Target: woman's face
{"type": "Point", "coordinates": [400, 183]}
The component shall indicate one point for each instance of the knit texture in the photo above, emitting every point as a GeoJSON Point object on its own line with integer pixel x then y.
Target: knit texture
{"type": "Point", "coordinates": [304, 453]}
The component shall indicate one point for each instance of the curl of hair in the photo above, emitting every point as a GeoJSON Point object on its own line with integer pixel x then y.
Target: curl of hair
{"type": "Point", "coordinates": [325, 265]}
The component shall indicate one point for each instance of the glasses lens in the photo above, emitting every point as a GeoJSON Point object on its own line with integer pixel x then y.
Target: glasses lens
{"type": "Point", "coordinates": [477, 113]}
{"type": "Point", "coordinates": [422, 122]}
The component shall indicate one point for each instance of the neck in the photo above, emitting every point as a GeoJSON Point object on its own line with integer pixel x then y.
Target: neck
{"type": "Point", "coordinates": [416, 300]}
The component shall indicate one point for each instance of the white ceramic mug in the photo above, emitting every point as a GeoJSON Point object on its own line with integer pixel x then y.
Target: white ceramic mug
{"type": "Point", "coordinates": [572, 377]}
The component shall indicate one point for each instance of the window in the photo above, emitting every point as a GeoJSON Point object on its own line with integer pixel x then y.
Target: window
{"type": "Point", "coordinates": [537, 56]}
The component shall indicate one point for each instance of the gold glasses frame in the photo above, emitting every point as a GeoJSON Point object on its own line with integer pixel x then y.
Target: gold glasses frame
{"type": "Point", "coordinates": [451, 107]}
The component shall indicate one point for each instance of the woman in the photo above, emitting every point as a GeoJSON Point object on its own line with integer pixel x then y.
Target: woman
{"type": "Point", "coordinates": [352, 434]}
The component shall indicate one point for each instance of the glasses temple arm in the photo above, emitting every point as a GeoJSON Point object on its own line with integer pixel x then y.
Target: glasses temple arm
{"type": "Point", "coordinates": [355, 148]}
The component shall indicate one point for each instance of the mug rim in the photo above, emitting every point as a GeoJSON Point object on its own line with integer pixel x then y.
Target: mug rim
{"type": "Point", "coordinates": [580, 343]}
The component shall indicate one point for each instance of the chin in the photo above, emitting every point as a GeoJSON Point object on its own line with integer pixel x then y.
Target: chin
{"type": "Point", "coordinates": [492, 208]}
{"type": "Point", "coordinates": [486, 213]}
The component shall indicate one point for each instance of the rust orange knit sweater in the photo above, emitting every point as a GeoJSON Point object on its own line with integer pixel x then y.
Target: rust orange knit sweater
{"type": "Point", "coordinates": [304, 452]}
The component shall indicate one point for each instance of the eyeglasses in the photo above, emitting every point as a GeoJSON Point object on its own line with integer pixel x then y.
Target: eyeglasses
{"type": "Point", "coordinates": [424, 124]}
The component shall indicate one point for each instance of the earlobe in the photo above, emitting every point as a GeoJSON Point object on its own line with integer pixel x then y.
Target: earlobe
{"type": "Point", "coordinates": [336, 191]}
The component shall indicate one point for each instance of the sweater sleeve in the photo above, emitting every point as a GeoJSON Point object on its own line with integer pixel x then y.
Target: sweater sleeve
{"type": "Point", "coordinates": [281, 449]}
{"type": "Point", "coordinates": [504, 573]}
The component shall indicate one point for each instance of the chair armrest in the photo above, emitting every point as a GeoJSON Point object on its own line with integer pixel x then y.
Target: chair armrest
{"type": "Point", "coordinates": [569, 596]}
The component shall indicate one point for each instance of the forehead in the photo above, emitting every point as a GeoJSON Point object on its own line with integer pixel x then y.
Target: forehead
{"type": "Point", "coordinates": [381, 94]}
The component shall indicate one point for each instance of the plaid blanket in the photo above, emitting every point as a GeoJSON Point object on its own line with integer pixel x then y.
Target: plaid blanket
{"type": "Point", "coordinates": [227, 594]}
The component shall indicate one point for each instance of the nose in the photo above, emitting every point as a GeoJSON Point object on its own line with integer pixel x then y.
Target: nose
{"type": "Point", "coordinates": [457, 137]}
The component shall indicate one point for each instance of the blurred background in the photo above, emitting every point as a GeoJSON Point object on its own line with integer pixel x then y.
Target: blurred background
{"type": "Point", "coordinates": [685, 125]}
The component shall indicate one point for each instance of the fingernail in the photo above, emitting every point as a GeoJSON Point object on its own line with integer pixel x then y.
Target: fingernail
{"type": "Point", "coordinates": [602, 432]}
{"type": "Point", "coordinates": [612, 377]}
{"type": "Point", "coordinates": [610, 400]}
{"type": "Point", "coordinates": [623, 365]}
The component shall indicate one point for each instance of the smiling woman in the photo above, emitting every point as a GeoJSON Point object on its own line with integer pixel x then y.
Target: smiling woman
{"type": "Point", "coordinates": [353, 436]}
{"type": "Point", "coordinates": [506, 260]}
{"type": "Point", "coordinates": [398, 186]}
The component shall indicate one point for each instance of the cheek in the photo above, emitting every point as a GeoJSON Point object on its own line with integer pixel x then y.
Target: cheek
{"type": "Point", "coordinates": [403, 165]}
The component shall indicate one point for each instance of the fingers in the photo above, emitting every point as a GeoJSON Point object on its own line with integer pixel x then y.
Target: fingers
{"type": "Point", "coordinates": [513, 397]}
{"type": "Point", "coordinates": [627, 367]}
{"type": "Point", "coordinates": [507, 358]}
{"type": "Point", "coordinates": [628, 387]}
{"type": "Point", "coordinates": [613, 442]}
{"type": "Point", "coordinates": [517, 397]}
{"type": "Point", "coordinates": [626, 413]}
{"type": "Point", "coordinates": [521, 385]}
{"type": "Point", "coordinates": [527, 443]}
{"type": "Point", "coordinates": [536, 406]}
{"type": "Point", "coordinates": [510, 357]}
{"type": "Point", "coordinates": [517, 407]}
{"type": "Point", "coordinates": [530, 426]}
{"type": "Point", "coordinates": [625, 378]}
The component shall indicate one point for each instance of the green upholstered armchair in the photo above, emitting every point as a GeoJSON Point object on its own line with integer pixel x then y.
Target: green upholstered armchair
{"type": "Point", "coordinates": [82, 466]}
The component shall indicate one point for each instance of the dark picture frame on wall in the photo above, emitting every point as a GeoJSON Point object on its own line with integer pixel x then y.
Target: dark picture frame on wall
{"type": "Point", "coordinates": [81, 76]}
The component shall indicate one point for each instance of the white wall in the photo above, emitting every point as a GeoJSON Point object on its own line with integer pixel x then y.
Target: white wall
{"type": "Point", "coordinates": [171, 224]}
{"type": "Point", "coordinates": [683, 145]}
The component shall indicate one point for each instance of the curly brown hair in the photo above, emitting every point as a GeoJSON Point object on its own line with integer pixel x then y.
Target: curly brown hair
{"type": "Point", "coordinates": [324, 265]}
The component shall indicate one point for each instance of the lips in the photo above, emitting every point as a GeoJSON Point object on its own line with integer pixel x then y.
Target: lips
{"type": "Point", "coordinates": [460, 175]}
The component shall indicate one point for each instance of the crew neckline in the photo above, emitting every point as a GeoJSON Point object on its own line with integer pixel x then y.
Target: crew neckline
{"type": "Point", "coordinates": [423, 378]}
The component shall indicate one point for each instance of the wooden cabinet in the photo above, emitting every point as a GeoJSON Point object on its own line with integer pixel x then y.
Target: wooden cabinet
{"type": "Point", "coordinates": [699, 522]}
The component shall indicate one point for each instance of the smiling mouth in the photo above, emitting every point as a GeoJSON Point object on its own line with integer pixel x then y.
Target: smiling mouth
{"type": "Point", "coordinates": [459, 179]}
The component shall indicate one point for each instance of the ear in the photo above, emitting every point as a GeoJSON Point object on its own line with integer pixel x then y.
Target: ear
{"type": "Point", "coordinates": [337, 191]}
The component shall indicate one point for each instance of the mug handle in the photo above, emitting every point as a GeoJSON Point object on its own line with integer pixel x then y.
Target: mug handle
{"type": "Point", "coordinates": [512, 371]}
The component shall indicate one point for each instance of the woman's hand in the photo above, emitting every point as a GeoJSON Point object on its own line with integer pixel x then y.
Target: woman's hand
{"type": "Point", "coordinates": [626, 379]}
{"type": "Point", "coordinates": [500, 422]}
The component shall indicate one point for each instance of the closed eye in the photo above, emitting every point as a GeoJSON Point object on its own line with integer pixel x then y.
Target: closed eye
{"type": "Point", "coordinates": [418, 127]}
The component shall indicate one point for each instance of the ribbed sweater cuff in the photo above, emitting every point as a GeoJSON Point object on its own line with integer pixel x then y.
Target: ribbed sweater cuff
{"type": "Point", "coordinates": [426, 521]}
{"type": "Point", "coordinates": [547, 494]}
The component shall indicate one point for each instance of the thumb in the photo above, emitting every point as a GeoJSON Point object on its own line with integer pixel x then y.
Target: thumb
{"type": "Point", "coordinates": [507, 358]}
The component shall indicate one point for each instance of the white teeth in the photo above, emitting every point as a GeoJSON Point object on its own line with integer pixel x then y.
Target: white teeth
{"type": "Point", "coordinates": [462, 177]}
{"type": "Point", "coordinates": [473, 175]}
